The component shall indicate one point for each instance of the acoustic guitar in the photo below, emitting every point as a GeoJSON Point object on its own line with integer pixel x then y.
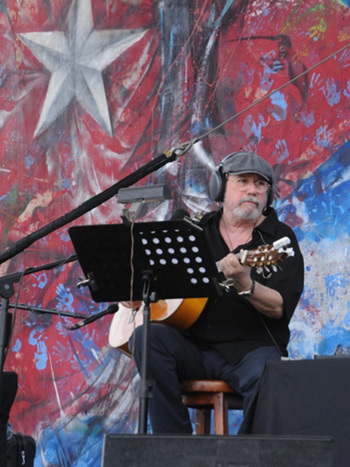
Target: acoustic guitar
{"type": "Point", "coordinates": [182, 313]}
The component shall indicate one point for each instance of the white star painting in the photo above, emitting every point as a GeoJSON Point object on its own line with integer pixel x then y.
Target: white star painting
{"type": "Point", "coordinates": [76, 58]}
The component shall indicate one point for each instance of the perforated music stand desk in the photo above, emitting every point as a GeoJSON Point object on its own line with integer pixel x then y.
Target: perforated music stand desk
{"type": "Point", "coordinates": [176, 252]}
{"type": "Point", "coordinates": [170, 260]}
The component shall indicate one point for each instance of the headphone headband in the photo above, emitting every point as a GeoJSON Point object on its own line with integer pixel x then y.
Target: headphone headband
{"type": "Point", "coordinates": [238, 163]}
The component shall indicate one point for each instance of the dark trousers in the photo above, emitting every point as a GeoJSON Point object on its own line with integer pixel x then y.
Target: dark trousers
{"type": "Point", "coordinates": [174, 358]}
{"type": "Point", "coordinates": [10, 383]}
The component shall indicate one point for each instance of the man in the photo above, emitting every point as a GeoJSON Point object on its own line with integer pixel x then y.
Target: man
{"type": "Point", "coordinates": [236, 334]}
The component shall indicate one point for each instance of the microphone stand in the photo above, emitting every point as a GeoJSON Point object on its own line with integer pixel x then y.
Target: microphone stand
{"type": "Point", "coordinates": [46, 310]}
{"type": "Point", "coordinates": [90, 204]}
{"type": "Point", "coordinates": [6, 292]}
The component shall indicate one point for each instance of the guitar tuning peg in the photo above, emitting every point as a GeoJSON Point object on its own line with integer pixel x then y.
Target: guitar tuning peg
{"type": "Point", "coordinates": [259, 270]}
{"type": "Point", "coordinates": [269, 273]}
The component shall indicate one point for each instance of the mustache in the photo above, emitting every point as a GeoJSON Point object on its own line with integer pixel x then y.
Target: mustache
{"type": "Point", "coordinates": [253, 199]}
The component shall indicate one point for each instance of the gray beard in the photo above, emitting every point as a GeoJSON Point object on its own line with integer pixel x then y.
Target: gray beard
{"type": "Point", "coordinates": [249, 216]}
{"type": "Point", "coordinates": [252, 215]}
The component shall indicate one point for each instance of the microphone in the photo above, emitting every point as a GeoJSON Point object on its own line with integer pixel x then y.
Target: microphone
{"type": "Point", "coordinates": [113, 308]}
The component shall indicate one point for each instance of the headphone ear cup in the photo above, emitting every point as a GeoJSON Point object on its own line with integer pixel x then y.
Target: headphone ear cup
{"type": "Point", "coordinates": [269, 200]}
{"type": "Point", "coordinates": [217, 185]}
{"type": "Point", "coordinates": [270, 196]}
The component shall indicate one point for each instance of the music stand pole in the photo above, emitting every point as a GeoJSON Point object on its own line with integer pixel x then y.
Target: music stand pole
{"type": "Point", "coordinates": [146, 384]}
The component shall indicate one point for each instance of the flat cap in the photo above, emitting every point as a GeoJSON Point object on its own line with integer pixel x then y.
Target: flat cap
{"type": "Point", "coordinates": [247, 162]}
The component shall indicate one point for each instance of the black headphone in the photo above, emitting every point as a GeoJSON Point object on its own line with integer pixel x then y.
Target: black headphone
{"type": "Point", "coordinates": [217, 182]}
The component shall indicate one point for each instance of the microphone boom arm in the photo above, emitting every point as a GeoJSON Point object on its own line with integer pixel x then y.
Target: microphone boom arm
{"type": "Point", "coordinates": [153, 165]}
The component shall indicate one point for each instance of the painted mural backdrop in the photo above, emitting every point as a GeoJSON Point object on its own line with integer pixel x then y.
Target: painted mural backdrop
{"type": "Point", "coordinates": [91, 91]}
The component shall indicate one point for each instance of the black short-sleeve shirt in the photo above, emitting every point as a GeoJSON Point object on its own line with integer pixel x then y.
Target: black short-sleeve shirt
{"type": "Point", "coordinates": [230, 323]}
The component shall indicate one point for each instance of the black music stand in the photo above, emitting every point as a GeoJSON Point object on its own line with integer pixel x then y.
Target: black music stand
{"type": "Point", "coordinates": [171, 259]}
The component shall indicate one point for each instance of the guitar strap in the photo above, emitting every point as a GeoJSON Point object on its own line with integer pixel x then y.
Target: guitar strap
{"type": "Point", "coordinates": [198, 220]}
{"type": "Point", "coordinates": [262, 318]}
{"type": "Point", "coordinates": [271, 336]}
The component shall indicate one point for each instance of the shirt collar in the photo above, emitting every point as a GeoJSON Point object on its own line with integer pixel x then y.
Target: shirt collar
{"type": "Point", "coordinates": [269, 224]}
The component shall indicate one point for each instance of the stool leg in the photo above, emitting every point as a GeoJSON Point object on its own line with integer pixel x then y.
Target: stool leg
{"type": "Point", "coordinates": [220, 414]}
{"type": "Point", "coordinates": [203, 419]}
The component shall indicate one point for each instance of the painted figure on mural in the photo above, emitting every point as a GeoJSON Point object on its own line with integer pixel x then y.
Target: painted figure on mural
{"type": "Point", "coordinates": [236, 334]}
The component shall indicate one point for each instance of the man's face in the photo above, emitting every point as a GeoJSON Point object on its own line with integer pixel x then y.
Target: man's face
{"type": "Point", "coordinates": [246, 195]}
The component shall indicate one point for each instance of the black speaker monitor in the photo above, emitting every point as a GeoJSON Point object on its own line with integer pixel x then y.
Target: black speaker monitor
{"type": "Point", "coordinates": [215, 451]}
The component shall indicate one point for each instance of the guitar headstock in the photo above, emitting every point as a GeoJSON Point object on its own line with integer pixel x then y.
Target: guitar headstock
{"type": "Point", "coordinates": [265, 257]}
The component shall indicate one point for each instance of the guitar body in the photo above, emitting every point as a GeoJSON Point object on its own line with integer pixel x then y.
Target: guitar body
{"type": "Point", "coordinates": [178, 313]}
{"type": "Point", "coordinates": [182, 313]}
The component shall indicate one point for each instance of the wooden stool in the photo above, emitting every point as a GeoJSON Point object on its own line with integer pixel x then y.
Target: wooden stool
{"type": "Point", "coordinates": [204, 395]}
